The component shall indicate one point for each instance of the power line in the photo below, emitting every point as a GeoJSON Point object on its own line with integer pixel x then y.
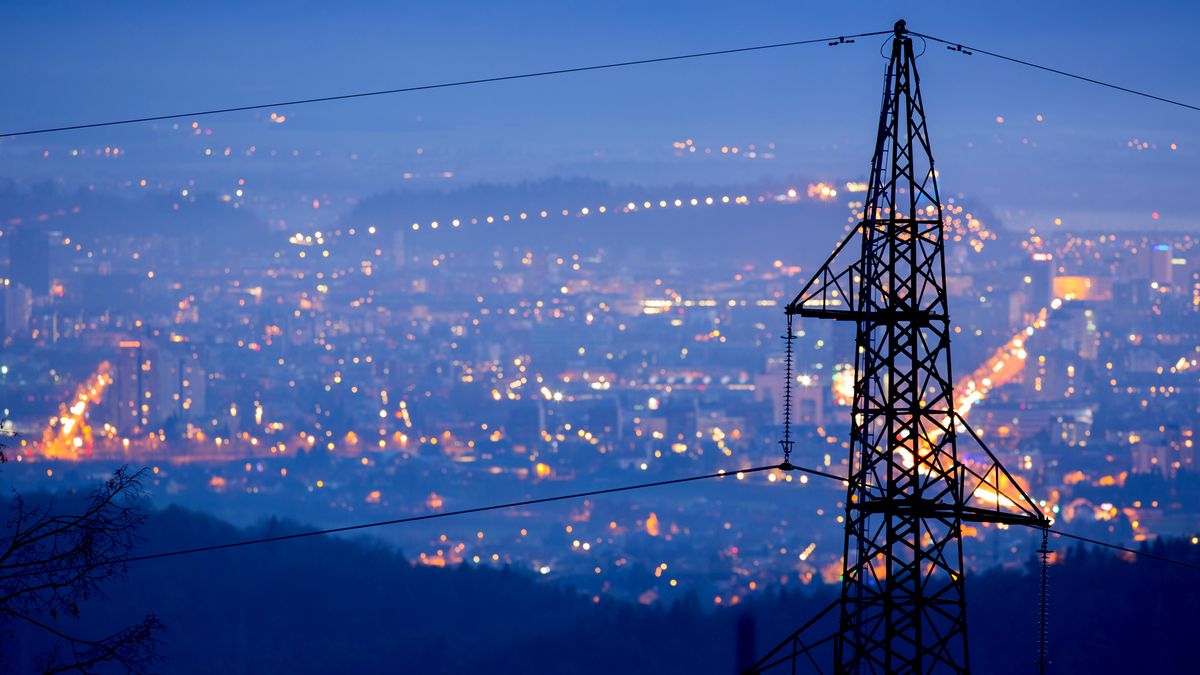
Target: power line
{"type": "Point", "coordinates": [785, 466]}
{"type": "Point", "coordinates": [839, 39]}
{"type": "Point", "coordinates": [1144, 554]}
{"type": "Point", "coordinates": [1068, 535]}
{"type": "Point", "coordinates": [832, 41]}
{"type": "Point", "coordinates": [461, 512]}
{"type": "Point", "coordinates": [836, 40]}
{"type": "Point", "coordinates": [967, 49]}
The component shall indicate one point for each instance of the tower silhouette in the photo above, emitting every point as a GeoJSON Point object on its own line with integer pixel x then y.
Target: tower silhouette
{"type": "Point", "coordinates": [902, 607]}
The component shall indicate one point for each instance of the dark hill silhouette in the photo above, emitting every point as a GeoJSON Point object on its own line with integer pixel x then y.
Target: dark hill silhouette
{"type": "Point", "coordinates": [201, 220]}
{"type": "Point", "coordinates": [324, 605]}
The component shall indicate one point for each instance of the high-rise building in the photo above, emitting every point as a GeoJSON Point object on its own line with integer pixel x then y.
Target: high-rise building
{"type": "Point", "coordinates": [1153, 263]}
{"type": "Point", "coordinates": [127, 388]}
{"type": "Point", "coordinates": [150, 385]}
{"type": "Point", "coordinates": [16, 308]}
{"type": "Point", "coordinates": [1041, 280]}
{"type": "Point", "coordinates": [29, 259]}
{"type": "Point", "coordinates": [182, 383]}
{"type": "Point", "coordinates": [1160, 263]}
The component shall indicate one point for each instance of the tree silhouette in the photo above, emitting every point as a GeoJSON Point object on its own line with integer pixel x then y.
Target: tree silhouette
{"type": "Point", "coordinates": [55, 556]}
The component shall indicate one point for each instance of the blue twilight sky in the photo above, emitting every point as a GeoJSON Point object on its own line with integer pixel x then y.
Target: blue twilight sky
{"type": "Point", "coordinates": [69, 62]}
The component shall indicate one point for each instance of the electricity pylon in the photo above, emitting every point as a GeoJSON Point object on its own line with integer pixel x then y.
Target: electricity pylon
{"type": "Point", "coordinates": [903, 602]}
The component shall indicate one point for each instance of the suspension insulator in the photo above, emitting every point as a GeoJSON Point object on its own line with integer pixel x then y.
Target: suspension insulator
{"type": "Point", "coordinates": [786, 442]}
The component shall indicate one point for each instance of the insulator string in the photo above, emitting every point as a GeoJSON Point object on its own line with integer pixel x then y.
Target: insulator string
{"type": "Point", "coordinates": [1043, 657]}
{"type": "Point", "coordinates": [787, 394]}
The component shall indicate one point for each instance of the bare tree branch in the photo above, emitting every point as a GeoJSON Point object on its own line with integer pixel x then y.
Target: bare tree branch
{"type": "Point", "coordinates": [52, 562]}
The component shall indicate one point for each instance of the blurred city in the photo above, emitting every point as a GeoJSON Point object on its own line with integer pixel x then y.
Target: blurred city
{"type": "Point", "coordinates": [414, 276]}
{"type": "Point", "coordinates": [427, 351]}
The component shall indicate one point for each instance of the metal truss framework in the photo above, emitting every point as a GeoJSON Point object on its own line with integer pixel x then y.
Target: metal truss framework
{"type": "Point", "coordinates": [903, 602]}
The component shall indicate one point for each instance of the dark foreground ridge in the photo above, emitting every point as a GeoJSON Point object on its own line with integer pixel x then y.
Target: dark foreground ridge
{"type": "Point", "coordinates": [326, 604]}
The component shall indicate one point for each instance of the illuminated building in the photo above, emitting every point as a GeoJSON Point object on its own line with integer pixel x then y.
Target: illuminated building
{"type": "Point", "coordinates": [184, 385]}
{"type": "Point", "coordinates": [1083, 288]}
{"type": "Point", "coordinates": [153, 384]}
{"type": "Point", "coordinates": [1156, 264]}
{"type": "Point", "coordinates": [130, 398]}
{"type": "Point", "coordinates": [1166, 451]}
{"type": "Point", "coordinates": [1041, 280]}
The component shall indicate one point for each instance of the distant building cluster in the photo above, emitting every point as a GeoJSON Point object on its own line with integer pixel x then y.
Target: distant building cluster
{"type": "Point", "coordinates": [373, 366]}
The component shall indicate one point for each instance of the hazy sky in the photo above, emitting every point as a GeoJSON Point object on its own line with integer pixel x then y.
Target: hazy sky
{"type": "Point", "coordinates": [71, 62]}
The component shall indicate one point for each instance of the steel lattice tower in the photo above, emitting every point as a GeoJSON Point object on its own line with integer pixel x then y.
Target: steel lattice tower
{"type": "Point", "coordinates": [903, 602]}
